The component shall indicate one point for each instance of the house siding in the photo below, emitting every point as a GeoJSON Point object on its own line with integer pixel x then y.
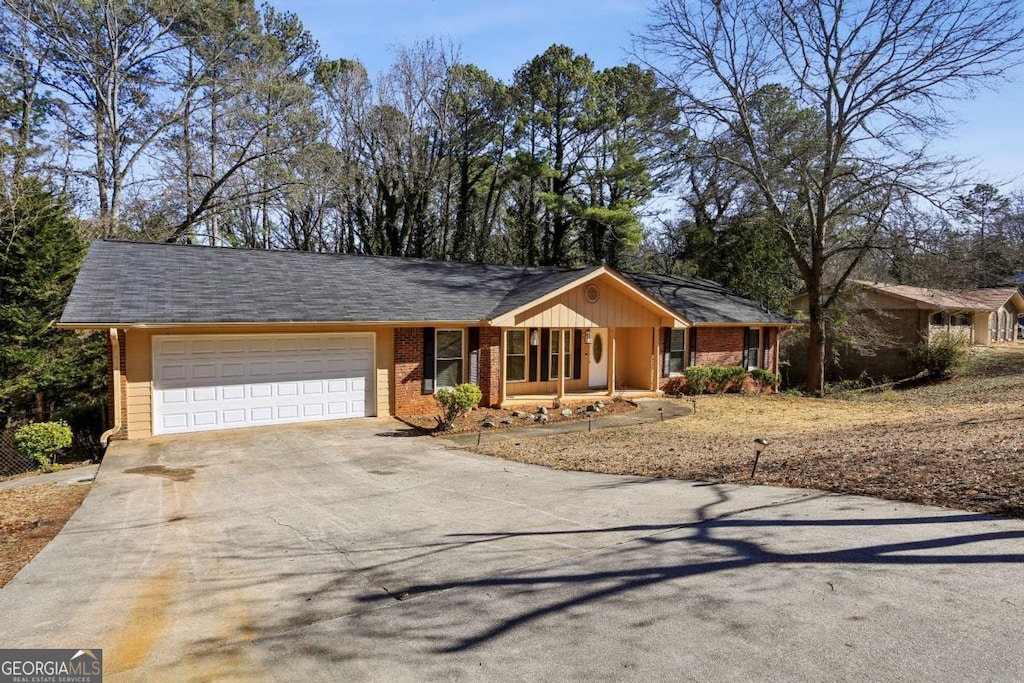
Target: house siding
{"type": "Point", "coordinates": [137, 366]}
{"type": "Point", "coordinates": [122, 387]}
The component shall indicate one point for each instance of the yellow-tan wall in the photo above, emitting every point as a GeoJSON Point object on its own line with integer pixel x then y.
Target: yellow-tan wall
{"type": "Point", "coordinates": [138, 369]}
{"type": "Point", "coordinates": [636, 348]}
{"type": "Point", "coordinates": [617, 307]}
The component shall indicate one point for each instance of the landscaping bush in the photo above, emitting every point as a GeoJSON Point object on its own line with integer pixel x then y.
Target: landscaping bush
{"type": "Point", "coordinates": [42, 441]}
{"type": "Point", "coordinates": [765, 379]}
{"type": "Point", "coordinates": [943, 355]}
{"type": "Point", "coordinates": [701, 379]}
{"type": "Point", "coordinates": [455, 402]}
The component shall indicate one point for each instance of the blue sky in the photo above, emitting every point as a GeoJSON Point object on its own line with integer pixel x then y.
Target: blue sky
{"type": "Point", "coordinates": [499, 36]}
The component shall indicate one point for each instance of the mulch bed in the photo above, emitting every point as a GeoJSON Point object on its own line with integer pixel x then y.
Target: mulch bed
{"type": "Point", "coordinates": [29, 517]}
{"type": "Point", "coordinates": [514, 417]}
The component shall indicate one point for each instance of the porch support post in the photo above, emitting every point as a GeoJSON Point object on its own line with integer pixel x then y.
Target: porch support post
{"type": "Point", "coordinates": [560, 370]}
{"type": "Point", "coordinates": [655, 355]}
{"type": "Point", "coordinates": [503, 390]}
{"type": "Point", "coordinates": [612, 353]}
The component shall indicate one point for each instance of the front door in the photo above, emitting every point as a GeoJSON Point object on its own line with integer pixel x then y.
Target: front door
{"type": "Point", "coordinates": [598, 364]}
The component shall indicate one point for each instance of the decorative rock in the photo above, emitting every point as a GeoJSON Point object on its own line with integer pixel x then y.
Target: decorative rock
{"type": "Point", "coordinates": [487, 424]}
{"type": "Point", "coordinates": [599, 404]}
{"type": "Point", "coordinates": [518, 413]}
{"type": "Point", "coordinates": [506, 420]}
{"type": "Point", "coordinates": [543, 419]}
{"type": "Point", "coordinates": [542, 410]}
{"type": "Point", "coordinates": [592, 408]}
{"type": "Point", "coordinates": [531, 418]}
{"type": "Point", "coordinates": [566, 413]}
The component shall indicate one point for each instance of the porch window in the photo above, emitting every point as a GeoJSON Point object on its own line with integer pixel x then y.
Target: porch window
{"type": "Point", "coordinates": [515, 355]}
{"type": "Point", "coordinates": [449, 358]}
{"type": "Point", "coordinates": [753, 348]}
{"type": "Point", "coordinates": [693, 346]}
{"type": "Point", "coordinates": [676, 352]}
{"type": "Point", "coordinates": [938, 319]}
{"type": "Point", "coordinates": [567, 356]}
{"type": "Point", "coordinates": [560, 345]}
{"type": "Point", "coordinates": [555, 350]}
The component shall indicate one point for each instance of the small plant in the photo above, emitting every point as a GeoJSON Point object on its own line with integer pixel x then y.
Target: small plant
{"type": "Point", "coordinates": [455, 402]}
{"type": "Point", "coordinates": [41, 441]}
{"type": "Point", "coordinates": [943, 355]}
{"type": "Point", "coordinates": [698, 379]}
{"type": "Point", "coordinates": [765, 378]}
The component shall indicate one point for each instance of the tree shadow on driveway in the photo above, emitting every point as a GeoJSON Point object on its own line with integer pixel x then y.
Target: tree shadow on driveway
{"type": "Point", "coordinates": [687, 539]}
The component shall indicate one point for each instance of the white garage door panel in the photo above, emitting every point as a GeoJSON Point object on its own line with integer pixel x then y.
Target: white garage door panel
{"type": "Point", "coordinates": [222, 382]}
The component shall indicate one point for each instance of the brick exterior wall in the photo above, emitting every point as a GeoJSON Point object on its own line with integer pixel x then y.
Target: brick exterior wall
{"type": "Point", "coordinates": [490, 366]}
{"type": "Point", "coordinates": [409, 396]}
{"type": "Point", "coordinates": [720, 345]}
{"type": "Point", "coordinates": [122, 433]}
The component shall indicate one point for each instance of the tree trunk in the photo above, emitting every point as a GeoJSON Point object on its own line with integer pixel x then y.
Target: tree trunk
{"type": "Point", "coordinates": [815, 382]}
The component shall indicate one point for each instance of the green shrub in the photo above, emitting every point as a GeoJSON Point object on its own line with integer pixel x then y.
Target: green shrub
{"type": "Point", "coordinates": [42, 441]}
{"type": "Point", "coordinates": [943, 355]}
{"type": "Point", "coordinates": [764, 378]}
{"type": "Point", "coordinates": [455, 402]}
{"type": "Point", "coordinates": [701, 379]}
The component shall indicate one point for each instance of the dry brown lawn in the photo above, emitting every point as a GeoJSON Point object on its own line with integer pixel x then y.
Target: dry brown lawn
{"type": "Point", "coordinates": [958, 443]}
{"type": "Point", "coordinates": [29, 517]}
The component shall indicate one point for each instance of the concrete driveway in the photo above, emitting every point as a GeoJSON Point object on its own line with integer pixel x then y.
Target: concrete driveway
{"type": "Point", "coordinates": [346, 552]}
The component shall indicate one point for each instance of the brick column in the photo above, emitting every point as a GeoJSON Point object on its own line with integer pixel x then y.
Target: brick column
{"type": "Point", "coordinates": [490, 366]}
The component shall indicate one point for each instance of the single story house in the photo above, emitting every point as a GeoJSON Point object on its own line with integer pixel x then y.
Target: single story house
{"type": "Point", "coordinates": [901, 317]}
{"type": "Point", "coordinates": [208, 338]}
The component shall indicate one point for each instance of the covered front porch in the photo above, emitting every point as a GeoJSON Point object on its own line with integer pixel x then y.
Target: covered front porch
{"type": "Point", "coordinates": [548, 364]}
{"type": "Point", "coordinates": [597, 336]}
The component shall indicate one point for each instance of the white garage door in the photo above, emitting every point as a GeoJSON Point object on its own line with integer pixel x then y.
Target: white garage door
{"type": "Point", "coordinates": [206, 382]}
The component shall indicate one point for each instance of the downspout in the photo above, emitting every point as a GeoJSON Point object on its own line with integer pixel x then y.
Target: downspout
{"type": "Point", "coordinates": [115, 350]}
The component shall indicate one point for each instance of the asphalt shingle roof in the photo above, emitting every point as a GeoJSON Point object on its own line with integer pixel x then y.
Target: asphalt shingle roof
{"type": "Point", "coordinates": [974, 300]}
{"type": "Point", "coordinates": [124, 283]}
{"type": "Point", "coordinates": [135, 282]}
{"type": "Point", "coordinates": [704, 301]}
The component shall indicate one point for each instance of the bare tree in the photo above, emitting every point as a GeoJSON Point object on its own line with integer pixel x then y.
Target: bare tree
{"type": "Point", "coordinates": [832, 103]}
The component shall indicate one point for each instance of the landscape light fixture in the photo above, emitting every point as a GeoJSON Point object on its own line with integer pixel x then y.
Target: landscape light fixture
{"type": "Point", "coordinates": [759, 446]}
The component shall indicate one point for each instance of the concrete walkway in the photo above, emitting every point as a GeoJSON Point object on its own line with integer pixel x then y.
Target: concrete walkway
{"type": "Point", "coordinates": [342, 552]}
{"type": "Point", "coordinates": [651, 410]}
{"type": "Point", "coordinates": [73, 475]}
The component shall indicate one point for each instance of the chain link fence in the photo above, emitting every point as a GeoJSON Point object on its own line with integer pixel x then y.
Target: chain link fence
{"type": "Point", "coordinates": [87, 422]}
{"type": "Point", "coordinates": [11, 461]}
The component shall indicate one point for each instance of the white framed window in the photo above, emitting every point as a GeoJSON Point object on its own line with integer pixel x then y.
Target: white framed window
{"type": "Point", "coordinates": [448, 358]}
{"type": "Point", "coordinates": [753, 348]}
{"type": "Point", "coordinates": [555, 349]}
{"type": "Point", "coordinates": [515, 355]}
{"type": "Point", "coordinates": [676, 352]}
{"type": "Point", "coordinates": [567, 354]}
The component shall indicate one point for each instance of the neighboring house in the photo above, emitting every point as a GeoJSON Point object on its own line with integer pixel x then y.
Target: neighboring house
{"type": "Point", "coordinates": [897, 318]}
{"type": "Point", "coordinates": [208, 338]}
